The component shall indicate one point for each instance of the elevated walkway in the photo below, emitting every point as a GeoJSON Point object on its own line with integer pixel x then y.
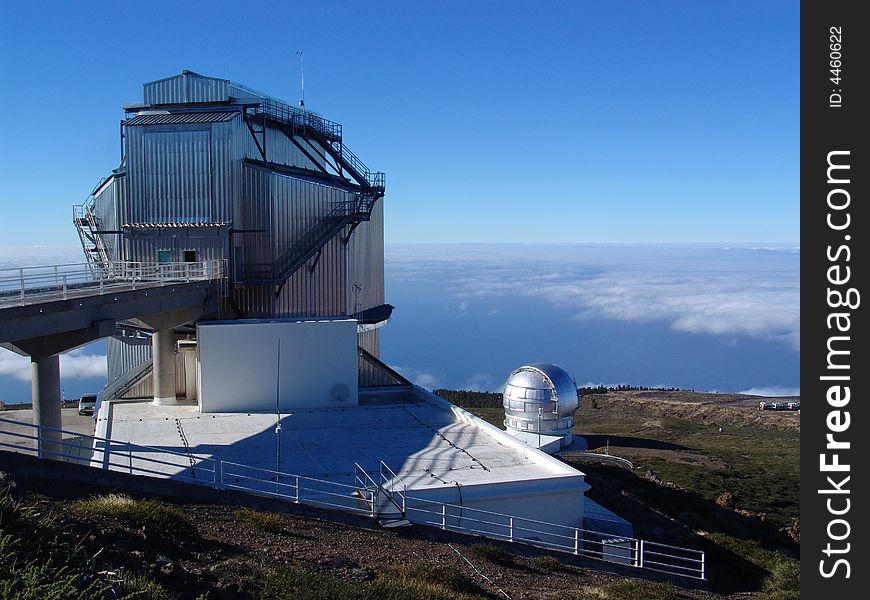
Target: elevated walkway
{"type": "Point", "coordinates": [45, 311]}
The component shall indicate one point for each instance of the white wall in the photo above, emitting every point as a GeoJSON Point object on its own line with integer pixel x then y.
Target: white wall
{"type": "Point", "coordinates": [238, 364]}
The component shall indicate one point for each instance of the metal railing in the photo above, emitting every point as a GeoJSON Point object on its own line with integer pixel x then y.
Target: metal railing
{"type": "Point", "coordinates": [297, 488]}
{"type": "Point", "coordinates": [61, 281]}
{"type": "Point", "coordinates": [330, 131]}
{"type": "Point", "coordinates": [362, 498]}
{"type": "Point", "coordinates": [105, 453]}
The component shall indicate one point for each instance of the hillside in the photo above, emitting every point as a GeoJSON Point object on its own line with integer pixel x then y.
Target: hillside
{"type": "Point", "coordinates": [118, 546]}
{"type": "Point", "coordinates": [733, 493]}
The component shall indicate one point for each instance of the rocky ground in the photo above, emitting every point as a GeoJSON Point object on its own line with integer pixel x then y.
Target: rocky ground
{"type": "Point", "coordinates": [209, 561]}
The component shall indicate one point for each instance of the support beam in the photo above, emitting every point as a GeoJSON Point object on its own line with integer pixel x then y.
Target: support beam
{"type": "Point", "coordinates": [45, 394]}
{"type": "Point", "coordinates": [163, 374]}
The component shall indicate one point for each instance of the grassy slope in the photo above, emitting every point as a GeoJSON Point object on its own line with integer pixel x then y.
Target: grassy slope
{"type": "Point", "coordinates": [683, 464]}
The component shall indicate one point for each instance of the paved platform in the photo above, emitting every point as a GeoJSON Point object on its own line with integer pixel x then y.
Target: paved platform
{"type": "Point", "coordinates": [426, 445]}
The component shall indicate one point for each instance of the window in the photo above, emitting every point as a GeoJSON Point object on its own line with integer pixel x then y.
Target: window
{"type": "Point", "coordinates": [190, 256]}
{"type": "Point", "coordinates": [164, 256]}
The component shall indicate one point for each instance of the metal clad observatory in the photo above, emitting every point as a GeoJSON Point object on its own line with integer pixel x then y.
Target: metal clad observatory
{"type": "Point", "coordinates": [211, 169]}
{"type": "Point", "coordinates": [541, 399]}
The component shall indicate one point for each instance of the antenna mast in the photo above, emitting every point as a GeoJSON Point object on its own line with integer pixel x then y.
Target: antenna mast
{"type": "Point", "coordinates": [302, 74]}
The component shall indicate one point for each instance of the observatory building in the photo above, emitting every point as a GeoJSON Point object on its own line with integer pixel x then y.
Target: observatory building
{"type": "Point", "coordinates": [212, 170]}
{"type": "Point", "coordinates": [539, 404]}
{"type": "Point", "coordinates": [277, 370]}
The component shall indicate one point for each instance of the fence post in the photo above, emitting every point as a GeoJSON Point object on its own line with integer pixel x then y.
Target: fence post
{"type": "Point", "coordinates": [511, 529]}
{"type": "Point", "coordinates": [703, 565]}
{"type": "Point", "coordinates": [21, 279]}
{"type": "Point", "coordinates": [64, 287]}
{"type": "Point", "coordinates": [443, 516]}
{"type": "Point", "coordinates": [297, 488]}
{"type": "Point", "coordinates": [130, 456]}
{"type": "Point", "coordinates": [576, 541]}
{"type": "Point", "coordinates": [640, 556]}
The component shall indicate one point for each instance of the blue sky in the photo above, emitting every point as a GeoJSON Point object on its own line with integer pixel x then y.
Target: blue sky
{"type": "Point", "coordinates": [495, 121]}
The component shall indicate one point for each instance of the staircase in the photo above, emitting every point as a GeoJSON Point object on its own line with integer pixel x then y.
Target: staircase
{"type": "Point", "coordinates": [370, 184]}
{"type": "Point", "coordinates": [328, 135]}
{"type": "Point", "coordinates": [88, 226]}
{"type": "Point", "coordinates": [125, 383]}
{"type": "Point", "coordinates": [345, 213]}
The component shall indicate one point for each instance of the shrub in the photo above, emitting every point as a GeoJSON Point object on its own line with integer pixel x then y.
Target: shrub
{"type": "Point", "coordinates": [490, 553]}
{"type": "Point", "coordinates": [547, 563]}
{"type": "Point", "coordinates": [150, 515]}
{"type": "Point", "coordinates": [264, 521]}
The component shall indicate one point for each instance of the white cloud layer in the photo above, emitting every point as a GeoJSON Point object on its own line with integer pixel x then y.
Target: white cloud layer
{"type": "Point", "coordinates": [73, 365]}
{"type": "Point", "coordinates": [696, 289]}
{"type": "Point", "coordinates": [772, 391]}
{"type": "Point", "coordinates": [419, 377]}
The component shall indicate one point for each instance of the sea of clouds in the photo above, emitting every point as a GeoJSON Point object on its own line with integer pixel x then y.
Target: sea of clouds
{"type": "Point", "coordinates": [730, 292]}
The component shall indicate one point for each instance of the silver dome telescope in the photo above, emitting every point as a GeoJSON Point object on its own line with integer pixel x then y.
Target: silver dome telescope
{"type": "Point", "coordinates": [541, 399]}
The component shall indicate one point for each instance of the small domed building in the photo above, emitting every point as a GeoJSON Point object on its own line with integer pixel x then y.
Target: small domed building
{"type": "Point", "coordinates": [539, 401]}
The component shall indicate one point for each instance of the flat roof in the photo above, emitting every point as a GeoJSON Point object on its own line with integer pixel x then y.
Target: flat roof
{"type": "Point", "coordinates": [427, 444]}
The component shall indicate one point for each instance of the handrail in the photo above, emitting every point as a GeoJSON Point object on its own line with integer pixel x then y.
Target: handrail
{"type": "Point", "coordinates": [19, 283]}
{"type": "Point", "coordinates": [629, 551]}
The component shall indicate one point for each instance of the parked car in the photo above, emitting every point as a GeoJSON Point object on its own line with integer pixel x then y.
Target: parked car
{"type": "Point", "coordinates": [87, 404]}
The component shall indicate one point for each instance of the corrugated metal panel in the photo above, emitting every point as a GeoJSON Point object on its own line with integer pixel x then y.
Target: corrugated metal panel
{"type": "Point", "coordinates": [181, 118]}
{"type": "Point", "coordinates": [179, 174]}
{"type": "Point", "coordinates": [186, 88]}
{"type": "Point", "coordinates": [366, 263]}
{"type": "Point", "coordinates": [123, 357]}
{"type": "Point", "coordinates": [208, 243]}
{"type": "Point", "coordinates": [106, 210]}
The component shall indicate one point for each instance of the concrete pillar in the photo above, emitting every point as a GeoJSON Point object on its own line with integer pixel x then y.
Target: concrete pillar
{"type": "Point", "coordinates": [45, 395]}
{"type": "Point", "coordinates": [163, 373]}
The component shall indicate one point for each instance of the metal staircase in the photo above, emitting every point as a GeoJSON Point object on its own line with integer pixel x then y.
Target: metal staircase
{"type": "Point", "coordinates": [126, 382]}
{"type": "Point", "coordinates": [307, 246]}
{"type": "Point", "coordinates": [328, 135]}
{"type": "Point", "coordinates": [88, 227]}
{"type": "Point", "coordinates": [369, 184]}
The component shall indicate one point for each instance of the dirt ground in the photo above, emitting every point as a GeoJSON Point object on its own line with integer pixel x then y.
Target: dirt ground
{"type": "Point", "coordinates": [190, 568]}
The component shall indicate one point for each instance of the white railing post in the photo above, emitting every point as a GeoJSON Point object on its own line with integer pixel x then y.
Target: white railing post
{"type": "Point", "coordinates": [130, 456]}
{"type": "Point", "coordinates": [703, 565]}
{"type": "Point", "coordinates": [443, 516]}
{"type": "Point", "coordinates": [21, 279]}
{"type": "Point", "coordinates": [576, 541]}
{"type": "Point", "coordinates": [511, 529]}
{"type": "Point", "coordinates": [55, 274]}
{"type": "Point", "coordinates": [64, 287]}
{"type": "Point", "coordinates": [640, 556]}
{"type": "Point", "coordinates": [297, 488]}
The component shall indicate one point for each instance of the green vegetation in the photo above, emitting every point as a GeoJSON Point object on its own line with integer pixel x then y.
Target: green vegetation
{"type": "Point", "coordinates": [35, 564]}
{"type": "Point", "coordinates": [491, 553]}
{"type": "Point", "coordinates": [627, 589]}
{"type": "Point", "coordinates": [548, 563]}
{"type": "Point", "coordinates": [683, 464]}
{"type": "Point", "coordinates": [135, 587]}
{"type": "Point", "coordinates": [264, 521]}
{"type": "Point", "coordinates": [783, 573]}
{"type": "Point", "coordinates": [411, 582]}
{"type": "Point", "coordinates": [150, 515]}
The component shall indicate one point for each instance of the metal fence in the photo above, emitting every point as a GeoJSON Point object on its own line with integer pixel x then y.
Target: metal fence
{"type": "Point", "coordinates": [375, 493]}
{"type": "Point", "coordinates": [32, 284]}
